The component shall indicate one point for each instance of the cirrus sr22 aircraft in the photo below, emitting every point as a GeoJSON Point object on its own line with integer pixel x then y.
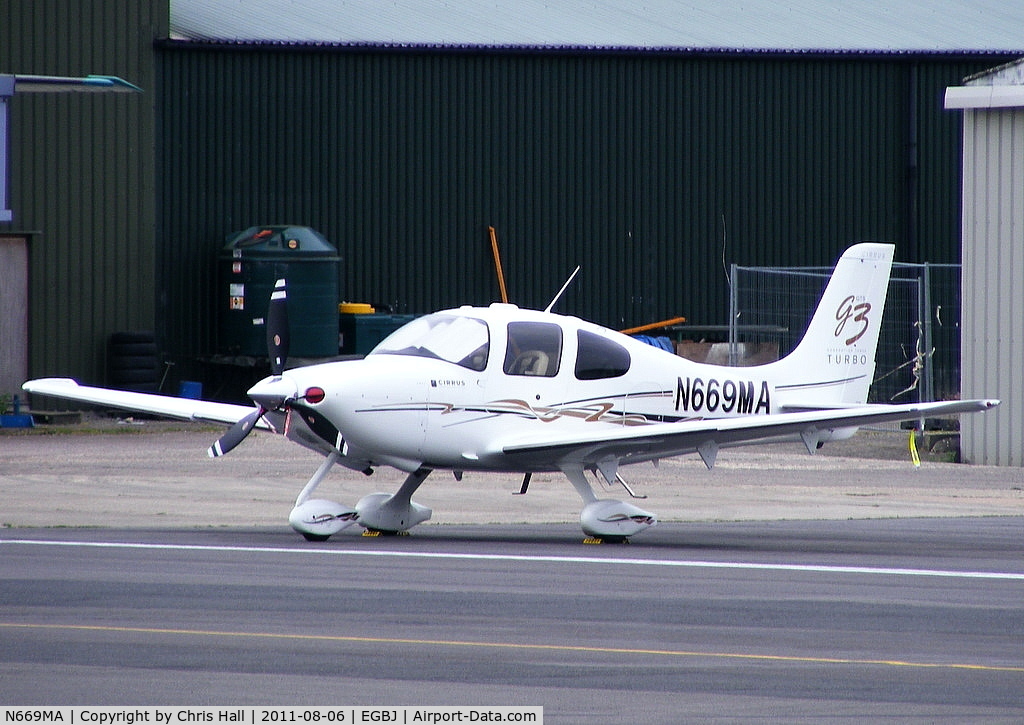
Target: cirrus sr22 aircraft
{"type": "Point", "coordinates": [505, 389]}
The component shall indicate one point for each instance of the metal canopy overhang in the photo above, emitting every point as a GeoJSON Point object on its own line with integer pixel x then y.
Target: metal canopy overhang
{"type": "Point", "coordinates": [984, 97]}
{"type": "Point", "coordinates": [63, 84]}
{"type": "Point", "coordinates": [11, 84]}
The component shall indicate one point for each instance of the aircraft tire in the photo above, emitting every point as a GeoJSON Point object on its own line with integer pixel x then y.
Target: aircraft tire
{"type": "Point", "coordinates": [316, 538]}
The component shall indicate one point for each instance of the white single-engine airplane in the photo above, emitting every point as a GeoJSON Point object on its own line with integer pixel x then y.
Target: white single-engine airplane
{"type": "Point", "coordinates": [505, 389]}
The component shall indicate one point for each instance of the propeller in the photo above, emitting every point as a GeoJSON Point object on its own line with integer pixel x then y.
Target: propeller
{"type": "Point", "coordinates": [235, 434]}
{"type": "Point", "coordinates": [269, 394]}
{"type": "Point", "coordinates": [278, 334]}
{"type": "Point", "coordinates": [320, 425]}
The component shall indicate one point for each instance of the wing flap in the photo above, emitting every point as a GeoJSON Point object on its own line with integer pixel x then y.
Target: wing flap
{"type": "Point", "coordinates": [165, 405]}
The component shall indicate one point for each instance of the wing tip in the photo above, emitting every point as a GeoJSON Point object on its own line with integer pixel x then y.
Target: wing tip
{"type": "Point", "coordinates": [39, 383]}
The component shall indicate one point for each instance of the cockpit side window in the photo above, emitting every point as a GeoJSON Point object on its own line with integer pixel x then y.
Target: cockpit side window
{"type": "Point", "coordinates": [534, 348]}
{"type": "Point", "coordinates": [598, 357]}
{"type": "Point", "coordinates": [461, 340]}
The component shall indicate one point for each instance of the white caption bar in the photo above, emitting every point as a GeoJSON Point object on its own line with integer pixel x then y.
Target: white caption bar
{"type": "Point", "coordinates": [236, 715]}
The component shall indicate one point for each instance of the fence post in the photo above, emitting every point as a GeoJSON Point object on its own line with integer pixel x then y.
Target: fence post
{"type": "Point", "coordinates": [928, 373]}
{"type": "Point", "coordinates": [733, 314]}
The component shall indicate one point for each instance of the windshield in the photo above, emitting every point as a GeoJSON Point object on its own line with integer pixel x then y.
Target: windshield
{"type": "Point", "coordinates": [460, 340]}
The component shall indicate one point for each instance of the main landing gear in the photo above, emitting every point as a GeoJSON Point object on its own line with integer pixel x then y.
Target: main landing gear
{"type": "Point", "coordinates": [607, 520]}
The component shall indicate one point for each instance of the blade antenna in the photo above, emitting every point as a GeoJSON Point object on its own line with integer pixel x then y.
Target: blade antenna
{"type": "Point", "coordinates": [567, 283]}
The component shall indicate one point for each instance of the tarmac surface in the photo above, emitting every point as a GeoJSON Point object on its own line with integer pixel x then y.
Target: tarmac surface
{"type": "Point", "coordinates": [797, 621]}
{"type": "Point", "coordinates": [146, 474]}
{"type": "Point", "coordinates": [779, 586]}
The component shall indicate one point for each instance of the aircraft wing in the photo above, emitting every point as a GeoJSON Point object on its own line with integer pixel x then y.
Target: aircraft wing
{"type": "Point", "coordinates": [630, 444]}
{"type": "Point", "coordinates": [165, 405]}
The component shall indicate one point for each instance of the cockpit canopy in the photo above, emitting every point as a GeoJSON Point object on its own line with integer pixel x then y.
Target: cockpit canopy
{"type": "Point", "coordinates": [534, 347]}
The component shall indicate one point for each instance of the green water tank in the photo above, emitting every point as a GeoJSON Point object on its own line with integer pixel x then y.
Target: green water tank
{"type": "Point", "coordinates": [248, 266]}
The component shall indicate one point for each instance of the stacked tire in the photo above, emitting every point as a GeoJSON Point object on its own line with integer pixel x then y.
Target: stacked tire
{"type": "Point", "coordinates": [132, 362]}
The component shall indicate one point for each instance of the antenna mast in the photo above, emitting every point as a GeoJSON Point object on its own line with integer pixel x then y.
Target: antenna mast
{"type": "Point", "coordinates": [567, 283]}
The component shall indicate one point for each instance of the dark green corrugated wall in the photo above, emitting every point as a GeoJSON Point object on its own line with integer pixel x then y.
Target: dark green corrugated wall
{"type": "Point", "coordinates": [82, 174]}
{"type": "Point", "coordinates": [650, 170]}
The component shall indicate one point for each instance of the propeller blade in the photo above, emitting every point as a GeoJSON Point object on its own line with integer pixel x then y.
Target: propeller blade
{"type": "Point", "coordinates": [269, 394]}
{"type": "Point", "coordinates": [319, 424]}
{"type": "Point", "coordinates": [235, 434]}
{"type": "Point", "coordinates": [278, 335]}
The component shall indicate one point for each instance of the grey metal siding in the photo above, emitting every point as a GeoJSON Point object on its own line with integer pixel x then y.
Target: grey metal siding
{"type": "Point", "coordinates": [646, 169]}
{"type": "Point", "coordinates": [82, 170]}
{"type": "Point", "coordinates": [993, 282]}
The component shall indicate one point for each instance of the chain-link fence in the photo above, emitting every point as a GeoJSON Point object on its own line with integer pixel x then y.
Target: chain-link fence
{"type": "Point", "coordinates": [918, 355]}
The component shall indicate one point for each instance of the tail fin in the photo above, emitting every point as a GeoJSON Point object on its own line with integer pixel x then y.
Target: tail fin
{"type": "Point", "coordinates": [835, 361]}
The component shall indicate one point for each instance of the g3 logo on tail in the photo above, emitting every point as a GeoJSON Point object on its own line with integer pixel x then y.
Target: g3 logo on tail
{"type": "Point", "coordinates": [859, 313]}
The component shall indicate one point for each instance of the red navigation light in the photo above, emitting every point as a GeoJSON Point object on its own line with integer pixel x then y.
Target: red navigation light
{"type": "Point", "coordinates": [315, 395]}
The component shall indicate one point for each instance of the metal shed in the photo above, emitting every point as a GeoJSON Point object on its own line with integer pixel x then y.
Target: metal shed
{"type": "Point", "coordinates": [993, 261]}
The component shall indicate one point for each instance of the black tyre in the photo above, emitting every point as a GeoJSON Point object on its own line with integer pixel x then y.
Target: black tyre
{"type": "Point", "coordinates": [132, 361]}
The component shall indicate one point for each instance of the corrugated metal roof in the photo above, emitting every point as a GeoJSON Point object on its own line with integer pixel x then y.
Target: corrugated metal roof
{"type": "Point", "coordinates": [875, 25]}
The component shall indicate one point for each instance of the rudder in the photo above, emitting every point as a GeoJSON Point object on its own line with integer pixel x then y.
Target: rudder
{"type": "Point", "coordinates": [835, 360]}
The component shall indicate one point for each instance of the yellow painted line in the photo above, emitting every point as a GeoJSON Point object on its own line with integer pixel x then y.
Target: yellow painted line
{"type": "Point", "coordinates": [517, 646]}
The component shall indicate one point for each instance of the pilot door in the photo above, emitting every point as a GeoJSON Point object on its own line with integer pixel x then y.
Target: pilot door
{"type": "Point", "coordinates": [533, 363]}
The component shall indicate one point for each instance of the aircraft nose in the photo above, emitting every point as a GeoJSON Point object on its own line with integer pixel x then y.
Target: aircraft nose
{"type": "Point", "coordinates": [273, 392]}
